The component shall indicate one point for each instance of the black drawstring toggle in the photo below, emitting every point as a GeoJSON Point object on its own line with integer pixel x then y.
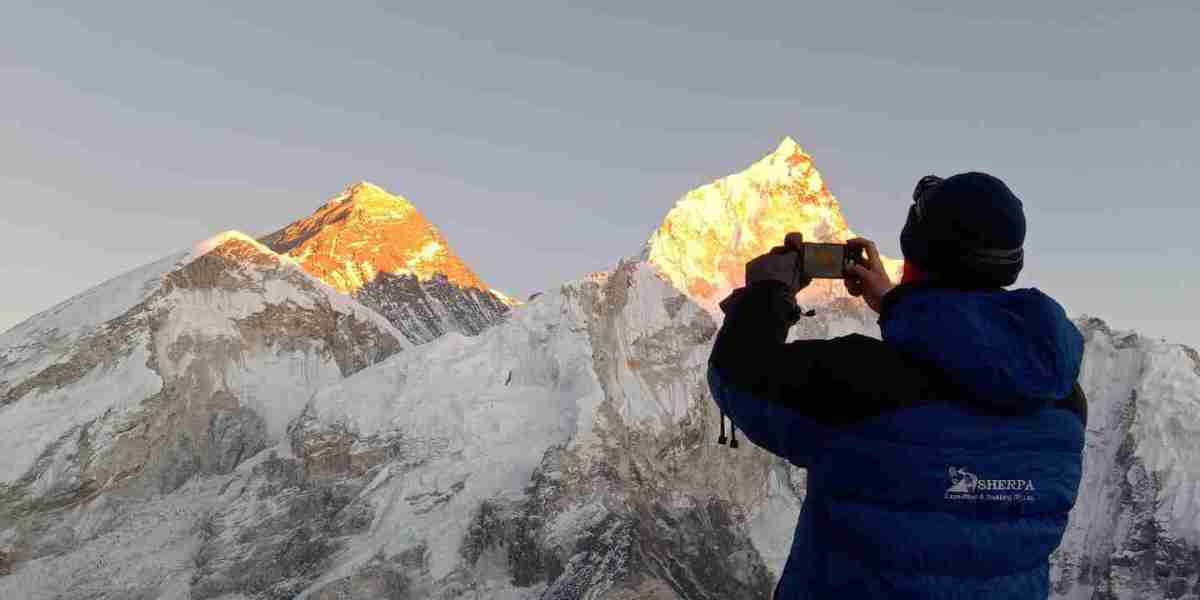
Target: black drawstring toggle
{"type": "Point", "coordinates": [721, 440]}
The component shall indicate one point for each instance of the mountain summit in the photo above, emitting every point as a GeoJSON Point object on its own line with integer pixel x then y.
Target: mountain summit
{"type": "Point", "coordinates": [378, 248]}
{"type": "Point", "coordinates": [365, 231]}
{"type": "Point", "coordinates": [707, 238]}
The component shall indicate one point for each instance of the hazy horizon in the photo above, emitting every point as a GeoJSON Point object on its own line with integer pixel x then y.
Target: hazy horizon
{"type": "Point", "coordinates": [549, 143]}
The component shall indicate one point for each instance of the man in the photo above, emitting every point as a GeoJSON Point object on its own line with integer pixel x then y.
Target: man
{"type": "Point", "coordinates": [943, 460]}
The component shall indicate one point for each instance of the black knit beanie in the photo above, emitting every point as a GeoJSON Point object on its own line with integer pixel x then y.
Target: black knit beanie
{"type": "Point", "coordinates": [967, 230]}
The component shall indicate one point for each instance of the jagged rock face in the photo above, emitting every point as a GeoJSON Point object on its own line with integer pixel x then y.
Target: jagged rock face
{"type": "Point", "coordinates": [201, 373]}
{"type": "Point", "coordinates": [426, 309]}
{"type": "Point", "coordinates": [280, 534]}
{"type": "Point", "coordinates": [714, 230]}
{"type": "Point", "coordinates": [1135, 532]}
{"type": "Point", "coordinates": [381, 249]}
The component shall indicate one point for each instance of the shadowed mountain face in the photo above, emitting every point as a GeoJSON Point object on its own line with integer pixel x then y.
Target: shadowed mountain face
{"type": "Point", "coordinates": [223, 424]}
{"type": "Point", "coordinates": [380, 249]}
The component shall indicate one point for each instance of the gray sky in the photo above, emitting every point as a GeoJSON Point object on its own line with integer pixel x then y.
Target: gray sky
{"type": "Point", "coordinates": [548, 140]}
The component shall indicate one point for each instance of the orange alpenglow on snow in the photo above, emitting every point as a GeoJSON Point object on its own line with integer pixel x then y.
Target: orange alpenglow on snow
{"type": "Point", "coordinates": [706, 239]}
{"type": "Point", "coordinates": [366, 231]}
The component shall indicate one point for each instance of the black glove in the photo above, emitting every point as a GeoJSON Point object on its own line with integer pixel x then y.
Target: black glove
{"type": "Point", "coordinates": [781, 264]}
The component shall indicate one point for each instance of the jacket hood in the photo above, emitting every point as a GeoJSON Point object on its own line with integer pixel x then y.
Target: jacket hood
{"type": "Point", "coordinates": [1013, 350]}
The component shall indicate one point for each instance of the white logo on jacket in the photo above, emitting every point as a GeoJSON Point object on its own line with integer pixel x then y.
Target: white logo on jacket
{"type": "Point", "coordinates": [963, 481]}
{"type": "Point", "coordinates": [965, 485]}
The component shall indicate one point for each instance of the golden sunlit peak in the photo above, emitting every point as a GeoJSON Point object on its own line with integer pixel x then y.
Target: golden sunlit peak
{"type": "Point", "coordinates": [706, 239]}
{"type": "Point", "coordinates": [365, 231]}
{"type": "Point", "coordinates": [364, 186]}
{"type": "Point", "coordinates": [367, 200]}
{"type": "Point", "coordinates": [365, 190]}
{"type": "Point", "coordinates": [788, 147]}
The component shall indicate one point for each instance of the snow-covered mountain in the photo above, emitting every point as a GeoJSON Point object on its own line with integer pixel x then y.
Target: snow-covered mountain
{"type": "Point", "coordinates": [568, 451]}
{"type": "Point", "coordinates": [179, 370]}
{"type": "Point", "coordinates": [379, 248]}
{"type": "Point", "coordinates": [1135, 530]}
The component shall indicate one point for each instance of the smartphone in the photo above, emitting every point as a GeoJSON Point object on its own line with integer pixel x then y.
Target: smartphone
{"type": "Point", "coordinates": [829, 261]}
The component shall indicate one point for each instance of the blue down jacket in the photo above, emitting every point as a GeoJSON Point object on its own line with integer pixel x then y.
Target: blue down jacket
{"type": "Point", "coordinates": [942, 461]}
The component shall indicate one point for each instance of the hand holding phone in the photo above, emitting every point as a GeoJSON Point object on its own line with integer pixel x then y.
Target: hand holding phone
{"type": "Point", "coordinates": [868, 278]}
{"type": "Point", "coordinates": [781, 264]}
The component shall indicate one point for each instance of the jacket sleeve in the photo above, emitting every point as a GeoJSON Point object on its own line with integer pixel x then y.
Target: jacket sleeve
{"type": "Point", "coordinates": [771, 426]}
{"type": "Point", "coordinates": [789, 398]}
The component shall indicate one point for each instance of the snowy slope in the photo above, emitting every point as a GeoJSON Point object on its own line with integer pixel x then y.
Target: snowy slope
{"type": "Point", "coordinates": [519, 388]}
{"type": "Point", "coordinates": [186, 367]}
{"type": "Point", "coordinates": [44, 338]}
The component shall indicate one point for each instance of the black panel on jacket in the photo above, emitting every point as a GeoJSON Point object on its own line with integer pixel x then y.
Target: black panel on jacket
{"type": "Point", "coordinates": [836, 382]}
